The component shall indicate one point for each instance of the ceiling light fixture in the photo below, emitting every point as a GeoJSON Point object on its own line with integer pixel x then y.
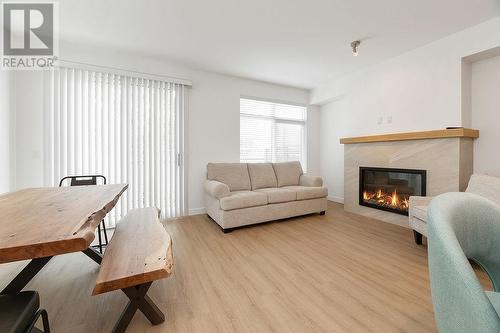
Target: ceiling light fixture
{"type": "Point", "coordinates": [354, 46]}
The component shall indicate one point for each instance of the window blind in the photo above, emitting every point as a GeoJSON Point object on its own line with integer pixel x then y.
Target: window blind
{"type": "Point", "coordinates": [272, 132]}
{"type": "Point", "coordinates": [127, 128]}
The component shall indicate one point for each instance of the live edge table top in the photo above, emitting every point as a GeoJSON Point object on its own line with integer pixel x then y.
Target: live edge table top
{"type": "Point", "coordinates": [43, 222]}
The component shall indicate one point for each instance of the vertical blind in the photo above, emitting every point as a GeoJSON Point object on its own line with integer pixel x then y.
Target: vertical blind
{"type": "Point", "coordinates": [272, 132]}
{"type": "Point", "coordinates": [127, 128]}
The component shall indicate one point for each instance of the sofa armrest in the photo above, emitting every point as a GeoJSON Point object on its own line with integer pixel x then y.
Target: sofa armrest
{"type": "Point", "coordinates": [216, 189]}
{"type": "Point", "coordinates": [419, 201]}
{"type": "Point", "coordinates": [307, 180]}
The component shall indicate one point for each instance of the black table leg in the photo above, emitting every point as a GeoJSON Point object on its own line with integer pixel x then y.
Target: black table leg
{"type": "Point", "coordinates": [25, 276]}
{"type": "Point", "coordinates": [34, 266]}
{"type": "Point", "coordinates": [93, 254]}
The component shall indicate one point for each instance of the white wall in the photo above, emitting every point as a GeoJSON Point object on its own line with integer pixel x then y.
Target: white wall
{"type": "Point", "coordinates": [29, 130]}
{"type": "Point", "coordinates": [419, 90]}
{"type": "Point", "coordinates": [486, 115]}
{"type": "Point", "coordinates": [7, 105]}
{"type": "Point", "coordinates": [332, 127]}
{"type": "Point", "coordinates": [313, 139]}
{"type": "Point", "coordinates": [212, 124]}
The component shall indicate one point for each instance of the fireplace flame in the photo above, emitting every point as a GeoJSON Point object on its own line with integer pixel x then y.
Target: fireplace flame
{"type": "Point", "coordinates": [391, 199]}
{"type": "Point", "coordinates": [406, 204]}
{"type": "Point", "coordinates": [394, 199]}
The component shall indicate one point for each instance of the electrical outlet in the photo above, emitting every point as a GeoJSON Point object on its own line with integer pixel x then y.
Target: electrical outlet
{"type": "Point", "coordinates": [389, 119]}
{"type": "Point", "coordinates": [380, 119]}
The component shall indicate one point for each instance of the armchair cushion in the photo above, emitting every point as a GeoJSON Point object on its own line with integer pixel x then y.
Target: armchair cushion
{"type": "Point", "coordinates": [486, 186]}
{"type": "Point", "coordinates": [262, 175]}
{"type": "Point", "coordinates": [307, 180]}
{"type": "Point", "coordinates": [216, 189]}
{"type": "Point", "coordinates": [288, 173]}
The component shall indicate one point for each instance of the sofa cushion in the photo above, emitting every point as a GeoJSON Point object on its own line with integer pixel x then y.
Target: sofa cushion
{"type": "Point", "coordinates": [277, 195]}
{"type": "Point", "coordinates": [262, 175]}
{"type": "Point", "coordinates": [243, 199]}
{"type": "Point", "coordinates": [308, 192]}
{"type": "Point", "coordinates": [288, 173]}
{"type": "Point", "coordinates": [234, 175]}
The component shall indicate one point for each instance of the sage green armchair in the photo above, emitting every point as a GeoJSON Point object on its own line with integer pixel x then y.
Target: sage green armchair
{"type": "Point", "coordinates": [464, 226]}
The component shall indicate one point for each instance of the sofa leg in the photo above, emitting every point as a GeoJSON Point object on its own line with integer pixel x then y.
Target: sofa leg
{"type": "Point", "coordinates": [322, 212]}
{"type": "Point", "coordinates": [228, 230]}
{"type": "Point", "coordinates": [418, 237]}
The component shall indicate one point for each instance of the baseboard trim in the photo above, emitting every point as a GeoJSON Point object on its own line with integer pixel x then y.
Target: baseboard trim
{"type": "Point", "coordinates": [335, 199]}
{"type": "Point", "coordinates": [197, 211]}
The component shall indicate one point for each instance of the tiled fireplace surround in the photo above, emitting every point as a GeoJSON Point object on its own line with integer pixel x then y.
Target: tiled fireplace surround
{"type": "Point", "coordinates": [447, 155]}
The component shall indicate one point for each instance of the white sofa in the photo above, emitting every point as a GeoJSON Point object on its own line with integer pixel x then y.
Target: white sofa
{"type": "Point", "coordinates": [483, 185]}
{"type": "Point", "coordinates": [239, 194]}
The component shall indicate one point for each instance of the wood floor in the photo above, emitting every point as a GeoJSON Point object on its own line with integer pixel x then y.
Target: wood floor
{"type": "Point", "coordinates": [334, 273]}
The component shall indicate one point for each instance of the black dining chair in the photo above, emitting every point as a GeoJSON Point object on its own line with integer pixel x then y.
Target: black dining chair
{"type": "Point", "coordinates": [19, 312]}
{"type": "Point", "coordinates": [83, 181]}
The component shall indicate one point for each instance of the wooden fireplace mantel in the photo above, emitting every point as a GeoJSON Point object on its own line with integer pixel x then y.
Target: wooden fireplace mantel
{"type": "Point", "coordinates": [436, 134]}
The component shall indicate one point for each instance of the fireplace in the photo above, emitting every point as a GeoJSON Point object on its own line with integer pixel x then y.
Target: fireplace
{"type": "Point", "coordinates": [390, 189]}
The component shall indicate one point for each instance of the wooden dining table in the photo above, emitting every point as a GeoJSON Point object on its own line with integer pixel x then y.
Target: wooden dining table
{"type": "Point", "coordinates": [40, 223]}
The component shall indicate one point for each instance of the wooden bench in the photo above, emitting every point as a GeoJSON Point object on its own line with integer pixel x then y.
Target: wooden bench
{"type": "Point", "coordinates": [139, 253]}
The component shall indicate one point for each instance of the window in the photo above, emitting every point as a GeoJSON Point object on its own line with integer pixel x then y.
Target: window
{"type": "Point", "coordinates": [272, 132]}
{"type": "Point", "coordinates": [127, 128]}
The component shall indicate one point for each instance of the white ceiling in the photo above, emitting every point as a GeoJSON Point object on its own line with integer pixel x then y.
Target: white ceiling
{"type": "Point", "coordinates": [292, 42]}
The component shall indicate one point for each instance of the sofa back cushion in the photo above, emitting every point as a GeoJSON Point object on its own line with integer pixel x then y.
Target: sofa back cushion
{"type": "Point", "coordinates": [288, 173]}
{"type": "Point", "coordinates": [234, 175]}
{"type": "Point", "coordinates": [485, 186]}
{"type": "Point", "coordinates": [262, 175]}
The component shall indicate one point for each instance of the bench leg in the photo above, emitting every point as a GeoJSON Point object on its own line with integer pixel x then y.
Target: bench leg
{"type": "Point", "coordinates": [139, 301]}
{"type": "Point", "coordinates": [151, 311]}
{"type": "Point", "coordinates": [25, 276]}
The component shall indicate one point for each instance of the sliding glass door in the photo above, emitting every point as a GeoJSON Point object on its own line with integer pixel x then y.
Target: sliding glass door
{"type": "Point", "coordinates": [127, 128]}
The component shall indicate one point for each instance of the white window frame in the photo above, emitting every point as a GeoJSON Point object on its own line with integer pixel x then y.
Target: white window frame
{"type": "Point", "coordinates": [277, 120]}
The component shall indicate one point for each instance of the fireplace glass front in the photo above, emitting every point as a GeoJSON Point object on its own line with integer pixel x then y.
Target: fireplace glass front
{"type": "Point", "coordinates": [390, 189]}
